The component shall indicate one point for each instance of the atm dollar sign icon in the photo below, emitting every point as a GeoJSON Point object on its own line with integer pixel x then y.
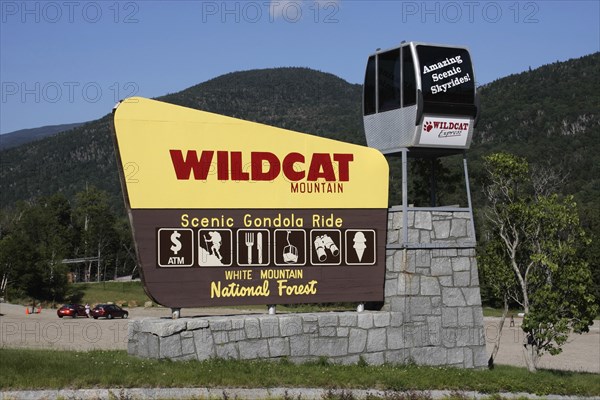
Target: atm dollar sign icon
{"type": "Point", "coordinates": [176, 243]}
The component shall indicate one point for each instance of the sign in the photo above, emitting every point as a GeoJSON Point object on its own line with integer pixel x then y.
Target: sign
{"type": "Point", "coordinates": [226, 211]}
{"type": "Point", "coordinates": [447, 79]}
{"type": "Point", "coordinates": [445, 131]}
{"type": "Point", "coordinates": [446, 74]}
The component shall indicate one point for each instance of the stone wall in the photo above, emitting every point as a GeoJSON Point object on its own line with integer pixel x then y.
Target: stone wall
{"type": "Point", "coordinates": [432, 313]}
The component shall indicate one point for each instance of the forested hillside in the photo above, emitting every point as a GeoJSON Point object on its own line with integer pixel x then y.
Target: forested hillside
{"type": "Point", "coordinates": [17, 138]}
{"type": "Point", "coordinates": [549, 115]}
{"type": "Point", "coordinates": [293, 98]}
{"type": "Point", "coordinates": [66, 163]}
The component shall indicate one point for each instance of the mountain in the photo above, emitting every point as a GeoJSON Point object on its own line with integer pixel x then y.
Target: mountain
{"type": "Point", "coordinates": [549, 115]}
{"type": "Point", "coordinates": [17, 138]}
{"type": "Point", "coordinates": [293, 98]}
{"type": "Point", "coordinates": [62, 163]}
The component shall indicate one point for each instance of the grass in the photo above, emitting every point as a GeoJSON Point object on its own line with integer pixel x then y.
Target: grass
{"type": "Point", "coordinates": [497, 312]}
{"type": "Point", "coordinates": [130, 293]}
{"type": "Point", "coordinates": [53, 369]}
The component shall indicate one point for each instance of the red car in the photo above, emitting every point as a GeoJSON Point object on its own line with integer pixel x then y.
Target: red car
{"type": "Point", "coordinates": [109, 311]}
{"type": "Point", "coordinates": [71, 310]}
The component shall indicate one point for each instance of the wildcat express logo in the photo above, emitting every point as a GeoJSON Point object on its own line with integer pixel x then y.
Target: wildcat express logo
{"type": "Point", "coordinates": [445, 131]}
{"type": "Point", "coordinates": [226, 211]}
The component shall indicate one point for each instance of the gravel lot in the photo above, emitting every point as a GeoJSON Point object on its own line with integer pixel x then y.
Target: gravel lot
{"type": "Point", "coordinates": [46, 330]}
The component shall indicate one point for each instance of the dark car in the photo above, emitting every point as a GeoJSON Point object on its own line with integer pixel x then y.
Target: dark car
{"type": "Point", "coordinates": [71, 310]}
{"type": "Point", "coordinates": [109, 311]}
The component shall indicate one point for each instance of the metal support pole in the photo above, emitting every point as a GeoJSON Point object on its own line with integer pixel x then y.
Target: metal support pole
{"type": "Point", "coordinates": [175, 313]}
{"type": "Point", "coordinates": [404, 197]}
{"type": "Point", "coordinates": [472, 225]}
{"type": "Point", "coordinates": [272, 309]}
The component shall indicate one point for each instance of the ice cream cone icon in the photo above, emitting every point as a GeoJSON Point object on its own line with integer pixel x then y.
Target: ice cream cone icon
{"type": "Point", "coordinates": [359, 244]}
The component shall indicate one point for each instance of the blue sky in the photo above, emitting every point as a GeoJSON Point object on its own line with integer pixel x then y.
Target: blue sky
{"type": "Point", "coordinates": [70, 61]}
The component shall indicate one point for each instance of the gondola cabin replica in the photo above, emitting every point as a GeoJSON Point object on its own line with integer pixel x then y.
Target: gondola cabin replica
{"type": "Point", "coordinates": [419, 101]}
{"type": "Point", "coordinates": [420, 96]}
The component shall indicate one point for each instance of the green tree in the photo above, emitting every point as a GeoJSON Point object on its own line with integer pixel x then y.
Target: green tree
{"type": "Point", "coordinates": [540, 237]}
{"type": "Point", "coordinates": [96, 222]}
{"type": "Point", "coordinates": [444, 176]}
{"type": "Point", "coordinates": [590, 218]}
{"type": "Point", "coordinates": [125, 257]}
{"type": "Point", "coordinates": [33, 246]}
{"type": "Point", "coordinates": [440, 175]}
{"type": "Point", "coordinates": [12, 257]}
{"type": "Point", "coordinates": [498, 278]}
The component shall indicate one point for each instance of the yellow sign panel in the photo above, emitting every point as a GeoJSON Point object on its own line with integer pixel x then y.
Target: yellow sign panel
{"type": "Point", "coordinates": [175, 157]}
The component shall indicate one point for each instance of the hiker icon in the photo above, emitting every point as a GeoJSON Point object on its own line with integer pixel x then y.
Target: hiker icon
{"type": "Point", "coordinates": [215, 239]}
{"type": "Point", "coordinates": [214, 247]}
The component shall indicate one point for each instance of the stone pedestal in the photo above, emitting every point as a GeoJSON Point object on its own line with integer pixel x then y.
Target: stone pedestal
{"type": "Point", "coordinates": [435, 285]}
{"type": "Point", "coordinates": [431, 315]}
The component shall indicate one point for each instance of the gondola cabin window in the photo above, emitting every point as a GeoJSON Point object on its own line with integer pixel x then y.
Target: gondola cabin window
{"type": "Point", "coordinates": [369, 100]}
{"type": "Point", "coordinates": [390, 81]}
{"type": "Point", "coordinates": [409, 87]}
{"type": "Point", "coordinates": [388, 75]}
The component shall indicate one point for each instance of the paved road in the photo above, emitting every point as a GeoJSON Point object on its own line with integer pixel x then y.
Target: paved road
{"type": "Point", "coordinates": [46, 330]}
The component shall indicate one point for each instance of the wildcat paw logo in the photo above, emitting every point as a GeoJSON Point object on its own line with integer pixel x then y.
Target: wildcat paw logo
{"type": "Point", "coordinates": [443, 131]}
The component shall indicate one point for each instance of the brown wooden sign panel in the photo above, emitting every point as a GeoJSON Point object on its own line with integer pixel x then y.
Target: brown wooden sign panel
{"type": "Point", "coordinates": [233, 257]}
